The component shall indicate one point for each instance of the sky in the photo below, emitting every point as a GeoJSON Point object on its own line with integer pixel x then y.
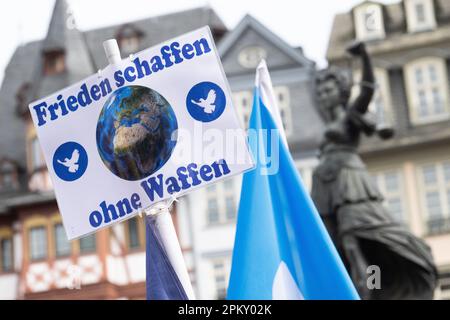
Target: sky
{"type": "Point", "coordinates": [303, 23]}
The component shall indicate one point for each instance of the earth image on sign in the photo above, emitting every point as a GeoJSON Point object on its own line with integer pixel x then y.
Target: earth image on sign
{"type": "Point", "coordinates": [136, 132]}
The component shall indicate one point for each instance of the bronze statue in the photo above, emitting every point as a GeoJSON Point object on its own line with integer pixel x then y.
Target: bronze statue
{"type": "Point", "coordinates": [351, 205]}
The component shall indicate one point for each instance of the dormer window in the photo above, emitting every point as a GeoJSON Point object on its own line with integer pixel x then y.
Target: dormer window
{"type": "Point", "coordinates": [420, 15]}
{"type": "Point", "coordinates": [8, 176]}
{"type": "Point", "coordinates": [7, 182]}
{"type": "Point", "coordinates": [129, 38]}
{"type": "Point", "coordinates": [54, 62]}
{"type": "Point", "coordinates": [369, 21]}
{"type": "Point", "coordinates": [22, 97]}
{"type": "Point", "coordinates": [129, 44]}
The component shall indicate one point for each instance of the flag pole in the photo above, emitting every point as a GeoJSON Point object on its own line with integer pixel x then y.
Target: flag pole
{"type": "Point", "coordinates": [159, 213]}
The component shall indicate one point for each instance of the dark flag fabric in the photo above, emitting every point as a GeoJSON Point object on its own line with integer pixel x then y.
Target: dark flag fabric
{"type": "Point", "coordinates": [162, 280]}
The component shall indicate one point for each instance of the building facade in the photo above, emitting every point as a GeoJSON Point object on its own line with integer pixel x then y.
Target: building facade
{"type": "Point", "coordinates": [409, 43]}
{"type": "Point", "coordinates": [36, 260]}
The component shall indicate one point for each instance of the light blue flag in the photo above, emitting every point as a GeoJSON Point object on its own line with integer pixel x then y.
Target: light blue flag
{"type": "Point", "coordinates": [282, 249]}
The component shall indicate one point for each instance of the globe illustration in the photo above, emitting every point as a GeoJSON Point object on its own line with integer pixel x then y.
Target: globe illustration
{"type": "Point", "coordinates": [136, 132]}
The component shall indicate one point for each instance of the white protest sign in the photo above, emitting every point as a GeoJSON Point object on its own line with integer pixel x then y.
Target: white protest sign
{"type": "Point", "coordinates": [158, 124]}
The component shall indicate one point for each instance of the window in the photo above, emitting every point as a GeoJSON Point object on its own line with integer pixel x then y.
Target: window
{"type": "Point", "coordinates": [243, 102]}
{"type": "Point", "coordinates": [37, 161]}
{"type": "Point", "coordinates": [250, 57]}
{"type": "Point", "coordinates": [38, 243]}
{"type": "Point", "coordinates": [23, 96]}
{"type": "Point", "coordinates": [419, 9]}
{"type": "Point", "coordinates": [213, 211]}
{"type": "Point", "coordinates": [369, 22]}
{"type": "Point", "coordinates": [427, 90]}
{"type": "Point", "coordinates": [420, 15]}
{"type": "Point", "coordinates": [8, 173]}
{"type": "Point", "coordinates": [221, 202]}
{"type": "Point", "coordinates": [134, 239]}
{"type": "Point", "coordinates": [381, 105]}
{"type": "Point", "coordinates": [390, 184]}
{"type": "Point", "coordinates": [230, 208]}
{"type": "Point", "coordinates": [88, 244]}
{"type": "Point", "coordinates": [230, 201]}
{"type": "Point", "coordinates": [54, 62]}
{"type": "Point", "coordinates": [435, 183]}
{"type": "Point", "coordinates": [6, 257]}
{"type": "Point", "coordinates": [220, 269]}
{"type": "Point", "coordinates": [283, 101]}
{"type": "Point", "coordinates": [62, 245]}
{"type": "Point", "coordinates": [129, 44]}
{"type": "Point", "coordinates": [129, 38]}
{"type": "Point", "coordinates": [7, 182]}
{"type": "Point", "coordinates": [8, 179]}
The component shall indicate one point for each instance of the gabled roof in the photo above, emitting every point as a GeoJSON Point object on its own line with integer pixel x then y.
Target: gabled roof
{"type": "Point", "coordinates": [249, 22]}
{"type": "Point", "coordinates": [156, 29]}
{"type": "Point", "coordinates": [64, 36]}
{"type": "Point", "coordinates": [57, 34]}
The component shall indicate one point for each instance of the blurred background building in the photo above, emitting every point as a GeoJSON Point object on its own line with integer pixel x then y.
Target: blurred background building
{"type": "Point", "coordinates": [409, 43]}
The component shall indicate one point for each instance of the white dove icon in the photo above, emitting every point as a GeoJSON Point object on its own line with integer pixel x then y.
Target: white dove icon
{"type": "Point", "coordinates": [208, 104]}
{"type": "Point", "coordinates": [72, 163]}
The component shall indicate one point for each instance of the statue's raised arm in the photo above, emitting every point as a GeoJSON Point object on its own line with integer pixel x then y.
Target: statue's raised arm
{"type": "Point", "coordinates": [362, 102]}
{"type": "Point", "coordinates": [365, 233]}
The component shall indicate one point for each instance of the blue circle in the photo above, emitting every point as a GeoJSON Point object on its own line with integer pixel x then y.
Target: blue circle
{"type": "Point", "coordinates": [136, 132]}
{"type": "Point", "coordinates": [206, 101]}
{"type": "Point", "coordinates": [70, 161]}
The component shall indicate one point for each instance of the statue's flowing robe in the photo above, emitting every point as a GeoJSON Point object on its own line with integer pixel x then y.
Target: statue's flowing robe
{"type": "Point", "coordinates": [362, 229]}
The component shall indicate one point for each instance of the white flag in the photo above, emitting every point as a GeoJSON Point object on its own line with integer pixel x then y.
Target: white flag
{"type": "Point", "coordinates": [264, 83]}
